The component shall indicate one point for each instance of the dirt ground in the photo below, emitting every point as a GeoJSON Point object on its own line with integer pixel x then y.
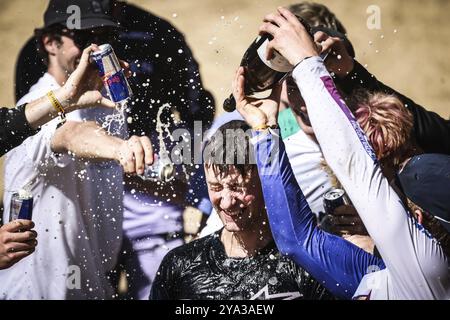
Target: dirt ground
{"type": "Point", "coordinates": [409, 52]}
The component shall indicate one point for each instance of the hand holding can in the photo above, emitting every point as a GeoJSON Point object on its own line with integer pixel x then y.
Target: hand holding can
{"type": "Point", "coordinates": [17, 241]}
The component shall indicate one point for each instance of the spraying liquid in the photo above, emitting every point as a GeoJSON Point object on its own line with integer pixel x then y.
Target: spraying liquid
{"type": "Point", "coordinates": [115, 82]}
{"type": "Point", "coordinates": [118, 116]}
{"type": "Point", "coordinates": [163, 168]}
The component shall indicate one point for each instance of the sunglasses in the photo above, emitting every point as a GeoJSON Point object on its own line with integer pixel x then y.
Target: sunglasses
{"type": "Point", "coordinates": [83, 38]}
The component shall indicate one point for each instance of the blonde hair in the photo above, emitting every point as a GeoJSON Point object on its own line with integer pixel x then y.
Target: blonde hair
{"type": "Point", "coordinates": [387, 124]}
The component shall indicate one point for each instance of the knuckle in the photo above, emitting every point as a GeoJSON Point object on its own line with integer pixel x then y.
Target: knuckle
{"type": "Point", "coordinates": [6, 238]}
{"type": "Point", "coordinates": [8, 259]}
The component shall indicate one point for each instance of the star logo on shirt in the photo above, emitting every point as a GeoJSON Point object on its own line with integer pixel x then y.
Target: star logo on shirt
{"type": "Point", "coordinates": [264, 292]}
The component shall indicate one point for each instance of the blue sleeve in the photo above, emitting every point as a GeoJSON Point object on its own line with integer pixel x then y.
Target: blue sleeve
{"type": "Point", "coordinates": [331, 260]}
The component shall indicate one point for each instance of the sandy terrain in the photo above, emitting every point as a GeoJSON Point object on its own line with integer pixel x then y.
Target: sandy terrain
{"type": "Point", "coordinates": [410, 52]}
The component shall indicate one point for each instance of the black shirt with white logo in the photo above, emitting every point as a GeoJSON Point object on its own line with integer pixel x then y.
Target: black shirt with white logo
{"type": "Point", "coordinates": [201, 270]}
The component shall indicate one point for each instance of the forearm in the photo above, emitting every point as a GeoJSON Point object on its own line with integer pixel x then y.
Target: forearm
{"type": "Point", "coordinates": [334, 262]}
{"type": "Point", "coordinates": [86, 140]}
{"type": "Point", "coordinates": [41, 111]}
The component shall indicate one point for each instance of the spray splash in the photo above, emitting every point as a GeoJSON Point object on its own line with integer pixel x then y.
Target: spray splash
{"type": "Point", "coordinates": [118, 116]}
{"type": "Point", "coordinates": [162, 128]}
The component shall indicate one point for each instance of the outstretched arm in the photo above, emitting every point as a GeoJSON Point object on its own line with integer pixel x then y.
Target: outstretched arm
{"type": "Point", "coordinates": [89, 140]}
{"type": "Point", "coordinates": [334, 262]}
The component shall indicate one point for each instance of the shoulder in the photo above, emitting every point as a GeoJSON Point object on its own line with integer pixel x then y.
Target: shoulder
{"type": "Point", "coordinates": [39, 89]}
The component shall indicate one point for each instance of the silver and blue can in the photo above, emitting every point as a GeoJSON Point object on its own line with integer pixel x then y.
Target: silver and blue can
{"type": "Point", "coordinates": [162, 170]}
{"type": "Point", "coordinates": [114, 79]}
{"type": "Point", "coordinates": [21, 206]}
{"type": "Point", "coordinates": [334, 199]}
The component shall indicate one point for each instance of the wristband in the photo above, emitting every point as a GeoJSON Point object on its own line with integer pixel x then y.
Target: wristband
{"type": "Point", "coordinates": [57, 105]}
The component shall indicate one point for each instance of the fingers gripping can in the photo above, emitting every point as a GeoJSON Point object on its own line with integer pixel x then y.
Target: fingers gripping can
{"type": "Point", "coordinates": [334, 199]}
{"type": "Point", "coordinates": [114, 79]}
{"type": "Point", "coordinates": [21, 205]}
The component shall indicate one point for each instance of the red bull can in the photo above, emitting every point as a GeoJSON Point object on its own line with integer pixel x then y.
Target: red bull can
{"type": "Point", "coordinates": [114, 79]}
{"type": "Point", "coordinates": [21, 206]}
{"type": "Point", "coordinates": [334, 199]}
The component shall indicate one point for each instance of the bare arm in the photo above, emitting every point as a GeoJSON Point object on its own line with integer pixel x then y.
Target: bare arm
{"type": "Point", "coordinates": [85, 140]}
{"type": "Point", "coordinates": [40, 112]}
{"type": "Point", "coordinates": [88, 140]}
{"type": "Point", "coordinates": [82, 90]}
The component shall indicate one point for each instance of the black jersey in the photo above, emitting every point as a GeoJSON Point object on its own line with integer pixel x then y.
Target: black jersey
{"type": "Point", "coordinates": [202, 270]}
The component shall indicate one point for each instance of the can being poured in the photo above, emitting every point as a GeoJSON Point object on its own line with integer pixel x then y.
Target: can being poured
{"type": "Point", "coordinates": [113, 76]}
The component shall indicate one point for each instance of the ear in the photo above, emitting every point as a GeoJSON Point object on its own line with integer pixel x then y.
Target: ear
{"type": "Point", "coordinates": [419, 215]}
{"type": "Point", "coordinates": [50, 45]}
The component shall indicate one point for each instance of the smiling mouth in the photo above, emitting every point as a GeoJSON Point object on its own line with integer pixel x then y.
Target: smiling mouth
{"type": "Point", "coordinates": [234, 214]}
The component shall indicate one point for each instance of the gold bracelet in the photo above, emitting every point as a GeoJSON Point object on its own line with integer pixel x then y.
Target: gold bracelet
{"type": "Point", "coordinates": [56, 104]}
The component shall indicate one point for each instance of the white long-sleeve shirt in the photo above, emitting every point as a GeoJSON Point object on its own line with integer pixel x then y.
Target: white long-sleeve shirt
{"type": "Point", "coordinates": [414, 265]}
{"type": "Point", "coordinates": [77, 210]}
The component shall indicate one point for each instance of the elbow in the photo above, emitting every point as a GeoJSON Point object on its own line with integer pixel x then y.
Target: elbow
{"type": "Point", "coordinates": [63, 136]}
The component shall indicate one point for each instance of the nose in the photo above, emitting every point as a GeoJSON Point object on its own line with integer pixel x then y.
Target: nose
{"type": "Point", "coordinates": [227, 200]}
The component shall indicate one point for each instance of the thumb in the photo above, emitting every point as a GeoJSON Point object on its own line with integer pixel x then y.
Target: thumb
{"type": "Point", "coordinates": [249, 198]}
{"type": "Point", "coordinates": [85, 56]}
{"type": "Point", "coordinates": [104, 102]}
{"type": "Point", "coordinates": [320, 36]}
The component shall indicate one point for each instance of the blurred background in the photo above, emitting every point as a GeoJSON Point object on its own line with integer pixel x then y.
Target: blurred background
{"type": "Point", "coordinates": [409, 52]}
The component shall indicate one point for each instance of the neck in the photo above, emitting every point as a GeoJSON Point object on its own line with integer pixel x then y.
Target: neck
{"type": "Point", "coordinates": [305, 128]}
{"type": "Point", "coordinates": [58, 73]}
{"type": "Point", "coordinates": [246, 243]}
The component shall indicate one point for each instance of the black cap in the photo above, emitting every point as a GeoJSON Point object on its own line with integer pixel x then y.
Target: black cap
{"type": "Point", "coordinates": [92, 13]}
{"type": "Point", "coordinates": [425, 180]}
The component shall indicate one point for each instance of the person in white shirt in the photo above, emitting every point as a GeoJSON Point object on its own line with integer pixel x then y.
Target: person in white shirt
{"type": "Point", "coordinates": [80, 91]}
{"type": "Point", "coordinates": [73, 172]}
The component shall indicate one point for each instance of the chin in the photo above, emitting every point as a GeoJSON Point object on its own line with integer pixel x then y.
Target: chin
{"type": "Point", "coordinates": [238, 223]}
{"type": "Point", "coordinates": [232, 227]}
